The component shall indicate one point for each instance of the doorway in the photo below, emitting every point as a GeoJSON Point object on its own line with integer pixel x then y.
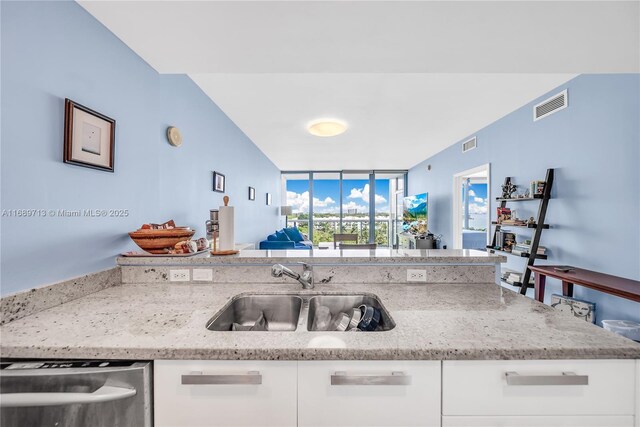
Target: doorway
{"type": "Point", "coordinates": [471, 208]}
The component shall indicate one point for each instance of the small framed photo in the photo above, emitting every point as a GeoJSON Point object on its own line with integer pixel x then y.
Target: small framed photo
{"type": "Point", "coordinates": [89, 137]}
{"type": "Point", "coordinates": [252, 193]}
{"type": "Point", "coordinates": [268, 199]}
{"type": "Point", "coordinates": [219, 182]}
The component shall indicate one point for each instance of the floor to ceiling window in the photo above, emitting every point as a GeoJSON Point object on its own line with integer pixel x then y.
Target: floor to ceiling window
{"type": "Point", "coordinates": [355, 204]}
{"type": "Point", "coordinates": [326, 206]}
{"type": "Point", "coordinates": [349, 202]}
{"type": "Point", "coordinates": [296, 191]}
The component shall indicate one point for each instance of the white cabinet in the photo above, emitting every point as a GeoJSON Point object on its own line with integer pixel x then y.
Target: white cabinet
{"type": "Point", "coordinates": [539, 388]}
{"type": "Point", "coordinates": [224, 393]}
{"type": "Point", "coordinates": [369, 393]}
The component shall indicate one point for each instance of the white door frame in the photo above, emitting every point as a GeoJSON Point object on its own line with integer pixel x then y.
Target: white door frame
{"type": "Point", "coordinates": [457, 184]}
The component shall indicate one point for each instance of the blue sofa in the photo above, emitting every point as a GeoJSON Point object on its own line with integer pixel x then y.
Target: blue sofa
{"type": "Point", "coordinates": [285, 239]}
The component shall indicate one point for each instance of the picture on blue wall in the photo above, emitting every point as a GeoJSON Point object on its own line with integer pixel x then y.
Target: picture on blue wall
{"type": "Point", "coordinates": [89, 137]}
{"type": "Point", "coordinates": [219, 182]}
{"type": "Point", "coordinates": [415, 214]}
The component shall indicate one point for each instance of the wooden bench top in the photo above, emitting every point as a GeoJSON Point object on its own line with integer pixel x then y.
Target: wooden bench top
{"type": "Point", "coordinates": [614, 285]}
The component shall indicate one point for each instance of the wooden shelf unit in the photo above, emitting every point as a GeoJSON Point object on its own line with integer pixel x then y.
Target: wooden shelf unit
{"type": "Point", "coordinates": [539, 225]}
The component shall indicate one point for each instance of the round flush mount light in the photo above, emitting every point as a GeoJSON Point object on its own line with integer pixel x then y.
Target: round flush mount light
{"type": "Point", "coordinates": [326, 128]}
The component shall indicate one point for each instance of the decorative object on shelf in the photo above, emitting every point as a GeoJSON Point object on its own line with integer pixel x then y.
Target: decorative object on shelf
{"type": "Point", "coordinates": [584, 310]}
{"type": "Point", "coordinates": [508, 189]}
{"type": "Point", "coordinates": [504, 214]}
{"type": "Point", "coordinates": [252, 193]}
{"type": "Point", "coordinates": [268, 199]}
{"type": "Point", "coordinates": [529, 249]}
{"type": "Point", "coordinates": [89, 137]}
{"type": "Point", "coordinates": [536, 187]}
{"type": "Point", "coordinates": [174, 136]}
{"type": "Point", "coordinates": [219, 182]}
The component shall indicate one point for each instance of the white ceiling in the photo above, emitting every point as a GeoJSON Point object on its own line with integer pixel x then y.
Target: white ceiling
{"type": "Point", "coordinates": [410, 78]}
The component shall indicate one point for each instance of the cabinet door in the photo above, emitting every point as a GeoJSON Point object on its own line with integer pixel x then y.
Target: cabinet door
{"type": "Point", "coordinates": [538, 421]}
{"type": "Point", "coordinates": [538, 387]}
{"type": "Point", "coordinates": [369, 393]}
{"type": "Point", "coordinates": [224, 393]}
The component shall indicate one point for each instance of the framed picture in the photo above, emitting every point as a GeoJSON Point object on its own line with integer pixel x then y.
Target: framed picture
{"type": "Point", "coordinates": [252, 193]}
{"type": "Point", "coordinates": [219, 182]}
{"type": "Point", "coordinates": [89, 137]}
{"type": "Point", "coordinates": [268, 199]}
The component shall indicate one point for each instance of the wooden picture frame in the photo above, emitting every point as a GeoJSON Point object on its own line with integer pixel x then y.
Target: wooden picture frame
{"type": "Point", "coordinates": [219, 182]}
{"type": "Point", "coordinates": [252, 193]}
{"type": "Point", "coordinates": [89, 137]}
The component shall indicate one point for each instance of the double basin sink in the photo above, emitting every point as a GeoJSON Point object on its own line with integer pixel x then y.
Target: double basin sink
{"type": "Point", "coordinates": [291, 312]}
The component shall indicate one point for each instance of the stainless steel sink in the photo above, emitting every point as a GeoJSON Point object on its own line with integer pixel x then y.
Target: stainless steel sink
{"type": "Point", "coordinates": [344, 304]}
{"type": "Point", "coordinates": [281, 312]}
{"type": "Point", "coordinates": [287, 312]}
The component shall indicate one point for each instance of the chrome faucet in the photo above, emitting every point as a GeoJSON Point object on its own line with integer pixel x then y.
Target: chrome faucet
{"type": "Point", "coordinates": [305, 279]}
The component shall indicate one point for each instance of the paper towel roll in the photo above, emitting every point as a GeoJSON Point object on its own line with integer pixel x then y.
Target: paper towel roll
{"type": "Point", "coordinates": [227, 238]}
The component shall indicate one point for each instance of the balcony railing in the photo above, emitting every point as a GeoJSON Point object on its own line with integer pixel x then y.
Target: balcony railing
{"type": "Point", "coordinates": [324, 229]}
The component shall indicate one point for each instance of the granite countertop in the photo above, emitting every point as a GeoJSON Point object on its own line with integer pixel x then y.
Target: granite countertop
{"type": "Point", "coordinates": [438, 322]}
{"type": "Point", "coordinates": [327, 256]}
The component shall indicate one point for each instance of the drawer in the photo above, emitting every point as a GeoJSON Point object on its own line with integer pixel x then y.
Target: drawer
{"type": "Point", "coordinates": [224, 393]}
{"type": "Point", "coordinates": [369, 393]}
{"type": "Point", "coordinates": [538, 387]}
{"type": "Point", "coordinates": [540, 421]}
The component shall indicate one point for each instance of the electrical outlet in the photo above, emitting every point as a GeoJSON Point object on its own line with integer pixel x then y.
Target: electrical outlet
{"type": "Point", "coordinates": [416, 275]}
{"type": "Point", "coordinates": [202, 274]}
{"type": "Point", "coordinates": [179, 275]}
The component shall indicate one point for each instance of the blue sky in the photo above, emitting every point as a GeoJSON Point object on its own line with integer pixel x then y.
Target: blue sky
{"type": "Point", "coordinates": [478, 205]}
{"type": "Point", "coordinates": [326, 194]}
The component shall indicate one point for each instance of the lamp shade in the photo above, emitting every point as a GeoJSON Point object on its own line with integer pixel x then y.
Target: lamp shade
{"type": "Point", "coordinates": [286, 210]}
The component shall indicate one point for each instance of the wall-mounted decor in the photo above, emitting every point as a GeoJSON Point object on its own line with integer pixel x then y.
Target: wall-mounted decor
{"type": "Point", "coordinates": [219, 182]}
{"type": "Point", "coordinates": [252, 193]}
{"type": "Point", "coordinates": [174, 136]}
{"type": "Point", "coordinates": [268, 199]}
{"type": "Point", "coordinates": [89, 137]}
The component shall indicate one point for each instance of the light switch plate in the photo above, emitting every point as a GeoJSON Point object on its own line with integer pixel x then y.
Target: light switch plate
{"type": "Point", "coordinates": [179, 275]}
{"type": "Point", "coordinates": [414, 275]}
{"type": "Point", "coordinates": [203, 274]}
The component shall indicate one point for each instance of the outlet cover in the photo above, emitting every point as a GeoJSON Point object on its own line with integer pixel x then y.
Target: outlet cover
{"type": "Point", "coordinates": [416, 275]}
{"type": "Point", "coordinates": [179, 275]}
{"type": "Point", "coordinates": [203, 274]}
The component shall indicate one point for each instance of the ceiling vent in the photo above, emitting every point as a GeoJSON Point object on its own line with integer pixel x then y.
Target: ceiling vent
{"type": "Point", "coordinates": [552, 105]}
{"type": "Point", "coordinates": [469, 144]}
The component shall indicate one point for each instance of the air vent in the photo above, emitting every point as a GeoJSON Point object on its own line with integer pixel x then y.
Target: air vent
{"type": "Point", "coordinates": [552, 105]}
{"type": "Point", "coordinates": [469, 144]}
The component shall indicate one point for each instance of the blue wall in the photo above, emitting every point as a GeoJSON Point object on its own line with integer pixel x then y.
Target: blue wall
{"type": "Point", "coordinates": [595, 211]}
{"type": "Point", "coordinates": [53, 50]}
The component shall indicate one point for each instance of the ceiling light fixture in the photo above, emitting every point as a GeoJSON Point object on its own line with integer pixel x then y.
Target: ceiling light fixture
{"type": "Point", "coordinates": [326, 128]}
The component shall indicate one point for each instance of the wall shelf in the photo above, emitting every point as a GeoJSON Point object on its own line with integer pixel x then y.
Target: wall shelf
{"type": "Point", "coordinates": [537, 227]}
{"type": "Point", "coordinates": [522, 255]}
{"type": "Point", "coordinates": [534, 225]}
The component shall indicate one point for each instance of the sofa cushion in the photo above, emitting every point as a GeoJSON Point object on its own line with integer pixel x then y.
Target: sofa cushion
{"type": "Point", "coordinates": [294, 234]}
{"type": "Point", "coordinates": [281, 236]}
{"type": "Point", "coordinates": [272, 238]}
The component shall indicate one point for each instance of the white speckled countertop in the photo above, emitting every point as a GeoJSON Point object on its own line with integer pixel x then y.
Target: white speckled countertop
{"type": "Point", "coordinates": [433, 321]}
{"type": "Point", "coordinates": [328, 256]}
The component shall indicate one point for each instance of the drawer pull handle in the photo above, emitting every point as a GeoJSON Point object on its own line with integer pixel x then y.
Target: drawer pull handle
{"type": "Point", "coordinates": [198, 378]}
{"type": "Point", "coordinates": [395, 378]}
{"type": "Point", "coordinates": [567, 378]}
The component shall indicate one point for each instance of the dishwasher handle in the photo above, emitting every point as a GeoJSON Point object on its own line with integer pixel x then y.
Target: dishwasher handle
{"type": "Point", "coordinates": [103, 394]}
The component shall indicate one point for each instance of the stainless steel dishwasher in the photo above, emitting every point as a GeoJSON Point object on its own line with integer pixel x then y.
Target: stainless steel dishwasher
{"type": "Point", "coordinates": [75, 394]}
